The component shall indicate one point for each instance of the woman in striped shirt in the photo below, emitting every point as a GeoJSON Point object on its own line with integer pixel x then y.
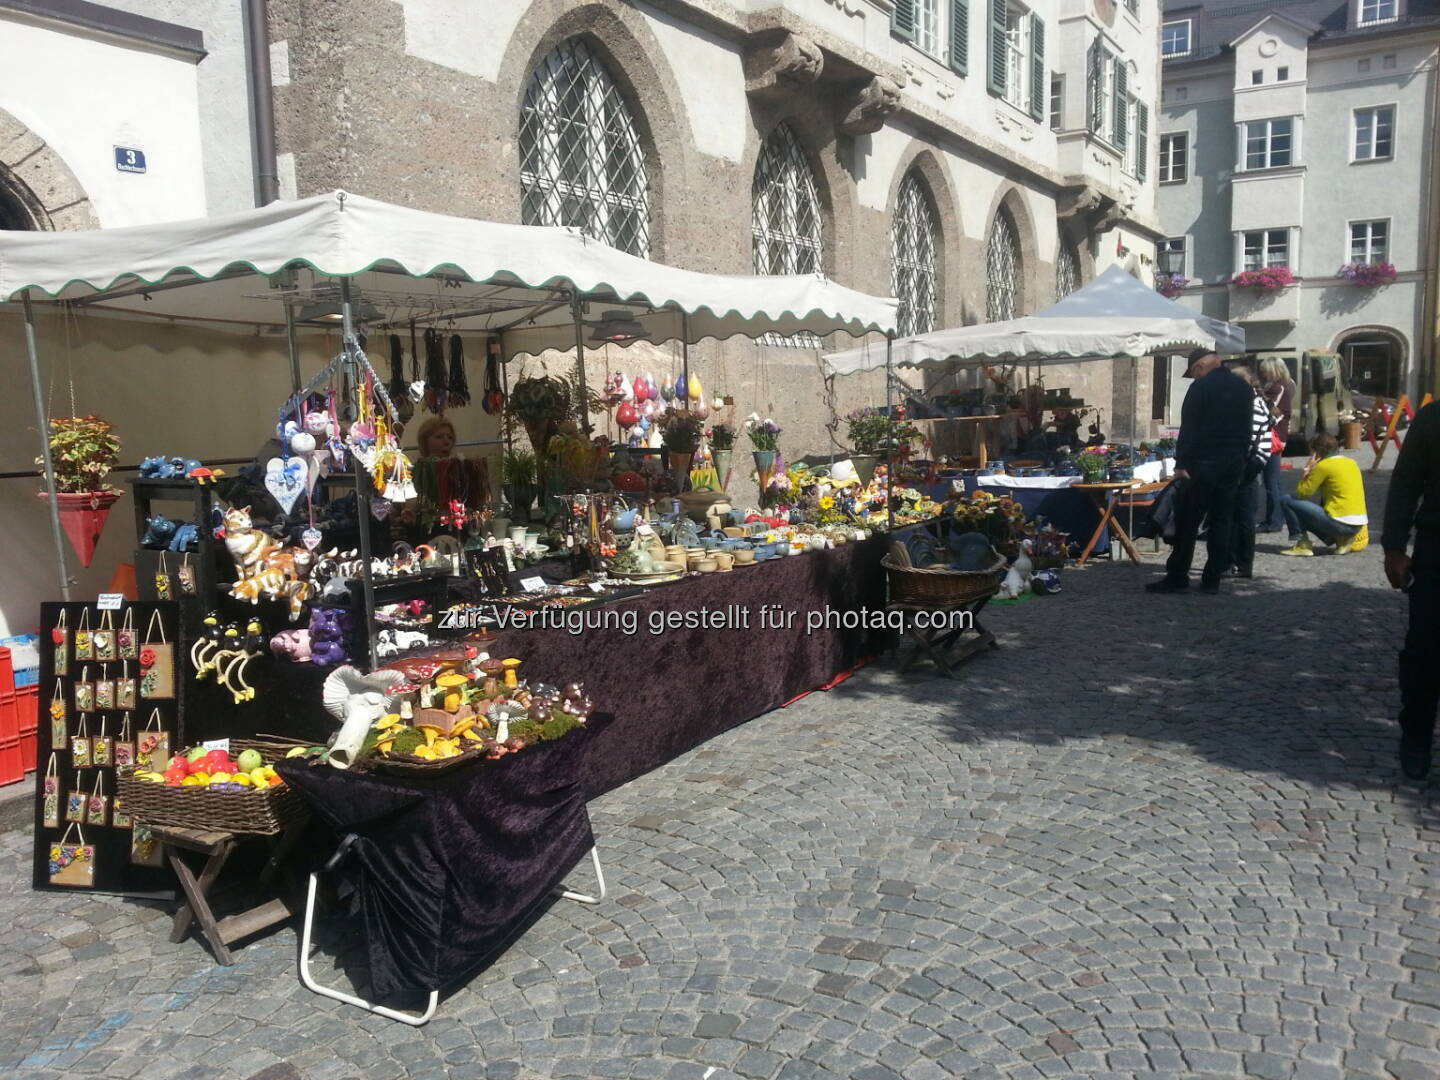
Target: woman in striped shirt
{"type": "Point", "coordinates": [1250, 499]}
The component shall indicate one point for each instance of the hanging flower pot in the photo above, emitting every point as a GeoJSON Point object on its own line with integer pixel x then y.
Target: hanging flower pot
{"type": "Point", "coordinates": [82, 516]}
{"type": "Point", "coordinates": [680, 467]}
{"type": "Point", "coordinates": [721, 459]}
{"type": "Point", "coordinates": [864, 466]}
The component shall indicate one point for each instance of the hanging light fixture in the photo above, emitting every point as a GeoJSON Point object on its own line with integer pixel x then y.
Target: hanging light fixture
{"type": "Point", "coordinates": [618, 327]}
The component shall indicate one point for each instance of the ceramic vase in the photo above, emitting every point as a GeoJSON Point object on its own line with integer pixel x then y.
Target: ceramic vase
{"type": "Point", "coordinates": [722, 466]}
{"type": "Point", "coordinates": [680, 467]}
{"type": "Point", "coordinates": [864, 466]}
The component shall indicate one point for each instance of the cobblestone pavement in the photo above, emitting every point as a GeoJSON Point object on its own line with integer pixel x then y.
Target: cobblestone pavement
{"type": "Point", "coordinates": [1147, 837]}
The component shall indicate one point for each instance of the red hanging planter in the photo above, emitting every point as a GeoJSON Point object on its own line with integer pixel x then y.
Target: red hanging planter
{"type": "Point", "coordinates": [82, 516]}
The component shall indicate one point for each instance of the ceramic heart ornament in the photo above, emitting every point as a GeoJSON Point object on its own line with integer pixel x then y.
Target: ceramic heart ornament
{"type": "Point", "coordinates": [285, 480]}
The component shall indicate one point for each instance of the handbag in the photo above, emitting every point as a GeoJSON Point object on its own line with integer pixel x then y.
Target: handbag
{"type": "Point", "coordinates": [60, 638]}
{"type": "Point", "coordinates": [72, 863]}
{"type": "Point", "coordinates": [127, 641]}
{"type": "Point", "coordinates": [59, 727]}
{"type": "Point", "coordinates": [50, 795]}
{"type": "Point", "coordinates": [152, 749]}
{"type": "Point", "coordinates": [103, 638]}
{"type": "Point", "coordinates": [157, 661]}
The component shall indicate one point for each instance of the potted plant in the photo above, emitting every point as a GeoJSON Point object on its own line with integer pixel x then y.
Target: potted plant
{"type": "Point", "coordinates": [1367, 274]}
{"type": "Point", "coordinates": [1170, 285]}
{"type": "Point", "coordinates": [519, 471]}
{"type": "Point", "coordinates": [722, 444]}
{"type": "Point", "coordinates": [874, 432]}
{"type": "Point", "coordinates": [1266, 279]}
{"type": "Point", "coordinates": [1093, 466]}
{"type": "Point", "coordinates": [83, 451]}
{"type": "Point", "coordinates": [541, 403]}
{"type": "Point", "coordinates": [764, 442]}
{"type": "Point", "coordinates": [680, 429]}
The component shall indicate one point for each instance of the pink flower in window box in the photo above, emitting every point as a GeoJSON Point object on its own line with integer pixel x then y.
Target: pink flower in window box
{"type": "Point", "coordinates": [1264, 280]}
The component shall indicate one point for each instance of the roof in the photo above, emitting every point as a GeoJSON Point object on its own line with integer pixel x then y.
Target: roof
{"type": "Point", "coordinates": [1215, 25]}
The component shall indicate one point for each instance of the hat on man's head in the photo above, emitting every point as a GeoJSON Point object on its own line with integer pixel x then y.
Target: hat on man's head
{"type": "Point", "coordinates": [1195, 354]}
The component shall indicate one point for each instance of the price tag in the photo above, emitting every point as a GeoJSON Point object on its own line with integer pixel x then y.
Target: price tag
{"type": "Point", "coordinates": [110, 601]}
{"type": "Point", "coordinates": [532, 584]}
{"type": "Point", "coordinates": [217, 744]}
{"type": "Point", "coordinates": [596, 587]}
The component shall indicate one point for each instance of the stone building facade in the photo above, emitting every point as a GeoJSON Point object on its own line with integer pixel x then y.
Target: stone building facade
{"type": "Point", "coordinates": [1001, 152]}
{"type": "Point", "coordinates": [1302, 135]}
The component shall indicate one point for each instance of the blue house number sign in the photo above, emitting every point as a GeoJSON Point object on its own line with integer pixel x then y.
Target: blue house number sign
{"type": "Point", "coordinates": [129, 160]}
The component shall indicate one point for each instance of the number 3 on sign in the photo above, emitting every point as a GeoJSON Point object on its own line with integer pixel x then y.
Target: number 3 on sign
{"type": "Point", "coordinates": [128, 159]}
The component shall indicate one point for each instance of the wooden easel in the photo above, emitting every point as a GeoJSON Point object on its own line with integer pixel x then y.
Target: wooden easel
{"type": "Point", "coordinates": [1391, 417]}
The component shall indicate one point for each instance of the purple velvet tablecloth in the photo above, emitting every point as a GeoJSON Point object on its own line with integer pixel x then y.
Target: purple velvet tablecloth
{"type": "Point", "coordinates": [670, 691]}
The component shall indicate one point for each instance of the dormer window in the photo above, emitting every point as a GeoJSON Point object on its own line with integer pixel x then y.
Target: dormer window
{"type": "Point", "coordinates": [1175, 37]}
{"type": "Point", "coordinates": [1372, 12]}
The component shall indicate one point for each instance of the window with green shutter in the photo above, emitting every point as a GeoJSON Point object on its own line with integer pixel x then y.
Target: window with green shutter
{"type": "Point", "coordinates": [1037, 67]}
{"type": "Point", "coordinates": [998, 45]}
{"type": "Point", "coordinates": [1095, 87]}
{"type": "Point", "coordinates": [960, 36]}
{"type": "Point", "coordinates": [902, 20]}
{"type": "Point", "coordinates": [1142, 140]}
{"type": "Point", "coordinates": [1120, 131]}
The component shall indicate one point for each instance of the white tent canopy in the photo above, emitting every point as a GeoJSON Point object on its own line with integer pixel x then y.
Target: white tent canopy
{"type": "Point", "coordinates": [406, 264]}
{"type": "Point", "coordinates": [1112, 316]}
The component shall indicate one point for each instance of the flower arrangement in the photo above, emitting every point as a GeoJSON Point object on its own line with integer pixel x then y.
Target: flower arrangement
{"type": "Point", "coordinates": [874, 431]}
{"type": "Point", "coordinates": [722, 437]}
{"type": "Point", "coordinates": [1367, 274]}
{"type": "Point", "coordinates": [82, 451]}
{"type": "Point", "coordinates": [1092, 465]}
{"type": "Point", "coordinates": [681, 430]}
{"type": "Point", "coordinates": [1266, 279]}
{"type": "Point", "coordinates": [1171, 285]}
{"type": "Point", "coordinates": [764, 434]}
{"type": "Point", "coordinates": [999, 519]}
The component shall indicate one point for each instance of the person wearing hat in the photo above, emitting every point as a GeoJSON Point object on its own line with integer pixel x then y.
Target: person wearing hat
{"type": "Point", "coordinates": [1210, 453]}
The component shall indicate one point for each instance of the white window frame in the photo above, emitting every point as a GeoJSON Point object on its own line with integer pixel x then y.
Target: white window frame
{"type": "Point", "coordinates": [1376, 19]}
{"type": "Point", "coordinates": [1369, 240]}
{"type": "Point", "coordinates": [1189, 31]}
{"type": "Point", "coordinates": [1241, 244]}
{"type": "Point", "coordinates": [1057, 101]}
{"type": "Point", "coordinates": [1243, 129]}
{"type": "Point", "coordinates": [1166, 173]}
{"type": "Point", "coordinates": [1161, 255]}
{"type": "Point", "coordinates": [1018, 46]}
{"type": "Point", "coordinates": [930, 27]}
{"type": "Point", "coordinates": [1355, 158]}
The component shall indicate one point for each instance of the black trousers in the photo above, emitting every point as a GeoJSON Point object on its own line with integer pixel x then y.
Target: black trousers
{"type": "Point", "coordinates": [1249, 500]}
{"type": "Point", "coordinates": [1420, 657]}
{"type": "Point", "coordinates": [1210, 493]}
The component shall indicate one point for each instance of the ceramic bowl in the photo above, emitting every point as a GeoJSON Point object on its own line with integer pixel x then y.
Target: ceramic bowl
{"type": "Point", "coordinates": [705, 566]}
{"type": "Point", "coordinates": [724, 560]}
{"type": "Point", "coordinates": [744, 556]}
{"type": "Point", "coordinates": [734, 531]}
{"type": "Point", "coordinates": [709, 543]}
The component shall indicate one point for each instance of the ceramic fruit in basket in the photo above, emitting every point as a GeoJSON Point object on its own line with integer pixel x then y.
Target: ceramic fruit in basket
{"type": "Point", "coordinates": [213, 769]}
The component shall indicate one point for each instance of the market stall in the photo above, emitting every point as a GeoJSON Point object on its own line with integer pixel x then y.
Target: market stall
{"type": "Point", "coordinates": [1111, 318]}
{"type": "Point", "coordinates": [286, 608]}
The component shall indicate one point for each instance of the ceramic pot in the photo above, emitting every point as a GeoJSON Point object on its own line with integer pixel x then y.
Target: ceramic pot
{"type": "Point", "coordinates": [498, 527]}
{"type": "Point", "coordinates": [721, 458]}
{"type": "Point", "coordinates": [744, 556]}
{"type": "Point", "coordinates": [705, 566]}
{"type": "Point", "coordinates": [864, 466]}
{"type": "Point", "coordinates": [680, 467]}
{"type": "Point", "coordinates": [723, 560]}
{"type": "Point", "coordinates": [517, 534]}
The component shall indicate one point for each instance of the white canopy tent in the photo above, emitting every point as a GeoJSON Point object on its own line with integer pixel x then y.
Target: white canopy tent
{"type": "Point", "coordinates": [343, 259]}
{"type": "Point", "coordinates": [1112, 316]}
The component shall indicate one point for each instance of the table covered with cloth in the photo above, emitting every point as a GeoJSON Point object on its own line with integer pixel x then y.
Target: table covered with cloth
{"type": "Point", "coordinates": [671, 690]}
{"type": "Point", "coordinates": [444, 868]}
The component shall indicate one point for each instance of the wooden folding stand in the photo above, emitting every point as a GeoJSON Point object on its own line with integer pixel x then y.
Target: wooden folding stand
{"type": "Point", "coordinates": [942, 644]}
{"type": "Point", "coordinates": [217, 848]}
{"type": "Point", "coordinates": [1105, 497]}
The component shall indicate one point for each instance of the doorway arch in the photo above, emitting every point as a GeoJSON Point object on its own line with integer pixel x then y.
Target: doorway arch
{"type": "Point", "coordinates": [1374, 359]}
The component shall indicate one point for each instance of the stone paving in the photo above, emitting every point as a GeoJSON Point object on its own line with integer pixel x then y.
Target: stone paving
{"type": "Point", "coordinates": [1147, 837]}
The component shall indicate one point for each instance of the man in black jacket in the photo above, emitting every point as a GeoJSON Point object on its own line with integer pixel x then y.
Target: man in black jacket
{"type": "Point", "coordinates": [1414, 503]}
{"type": "Point", "coordinates": [1210, 457]}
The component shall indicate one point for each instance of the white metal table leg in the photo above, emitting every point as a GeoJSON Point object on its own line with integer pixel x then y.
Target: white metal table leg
{"type": "Point", "coordinates": [586, 898]}
{"type": "Point", "coordinates": [351, 999]}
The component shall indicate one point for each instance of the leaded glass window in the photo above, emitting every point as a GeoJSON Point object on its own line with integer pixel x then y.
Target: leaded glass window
{"type": "Point", "coordinates": [580, 158]}
{"type": "Point", "coordinates": [912, 258]}
{"type": "Point", "coordinates": [785, 209]}
{"type": "Point", "coordinates": [1002, 270]}
{"type": "Point", "coordinates": [1067, 270]}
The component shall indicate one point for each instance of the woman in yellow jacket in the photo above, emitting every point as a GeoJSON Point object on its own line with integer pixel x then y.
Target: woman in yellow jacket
{"type": "Point", "coordinates": [1339, 519]}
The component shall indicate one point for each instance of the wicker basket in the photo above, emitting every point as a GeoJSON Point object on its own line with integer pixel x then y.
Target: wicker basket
{"type": "Point", "coordinates": [409, 765]}
{"type": "Point", "coordinates": [266, 811]}
{"type": "Point", "coordinates": [940, 584]}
